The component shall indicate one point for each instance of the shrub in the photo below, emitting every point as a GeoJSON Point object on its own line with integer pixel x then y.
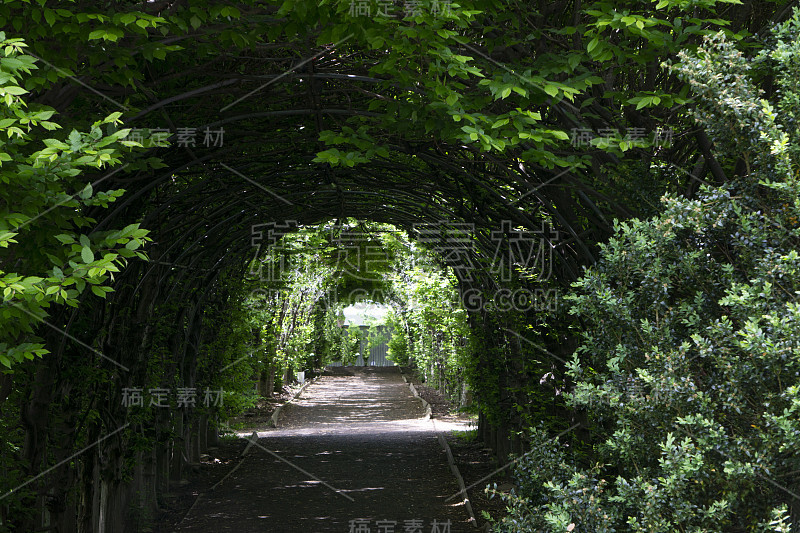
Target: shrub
{"type": "Point", "coordinates": [689, 367]}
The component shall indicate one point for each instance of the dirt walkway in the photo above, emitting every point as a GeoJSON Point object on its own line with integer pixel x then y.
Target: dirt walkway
{"type": "Point", "coordinates": [362, 459]}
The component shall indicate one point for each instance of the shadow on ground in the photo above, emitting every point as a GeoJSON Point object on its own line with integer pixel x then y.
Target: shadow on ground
{"type": "Point", "coordinates": [353, 453]}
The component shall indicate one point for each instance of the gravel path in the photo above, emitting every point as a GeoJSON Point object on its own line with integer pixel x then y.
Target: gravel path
{"type": "Point", "coordinates": [362, 459]}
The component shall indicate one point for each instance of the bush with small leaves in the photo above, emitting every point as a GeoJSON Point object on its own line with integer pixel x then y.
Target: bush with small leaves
{"type": "Point", "coordinates": [689, 369]}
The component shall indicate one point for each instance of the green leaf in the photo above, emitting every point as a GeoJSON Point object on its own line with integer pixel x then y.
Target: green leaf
{"type": "Point", "coordinates": [87, 255]}
{"type": "Point", "coordinates": [86, 192]}
{"type": "Point", "coordinates": [13, 89]}
{"type": "Point", "coordinates": [113, 117]}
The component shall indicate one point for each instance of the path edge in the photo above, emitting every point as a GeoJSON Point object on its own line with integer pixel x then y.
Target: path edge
{"type": "Point", "coordinates": [459, 478]}
{"type": "Point", "coordinates": [273, 421]}
{"type": "Point", "coordinates": [443, 442]}
{"type": "Point", "coordinates": [425, 405]}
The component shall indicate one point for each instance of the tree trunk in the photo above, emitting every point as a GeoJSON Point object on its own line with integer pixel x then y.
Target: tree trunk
{"type": "Point", "coordinates": [271, 381]}
{"type": "Point", "coordinates": [176, 461]}
{"type": "Point", "coordinates": [212, 434]}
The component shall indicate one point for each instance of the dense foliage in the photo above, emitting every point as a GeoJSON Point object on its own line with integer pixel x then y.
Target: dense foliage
{"type": "Point", "coordinates": [688, 368]}
{"type": "Point", "coordinates": [142, 254]}
{"type": "Point", "coordinates": [42, 228]}
{"type": "Point", "coordinates": [430, 332]}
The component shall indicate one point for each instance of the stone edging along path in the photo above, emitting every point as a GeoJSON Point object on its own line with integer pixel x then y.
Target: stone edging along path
{"type": "Point", "coordinates": [443, 442]}
{"type": "Point", "coordinates": [277, 413]}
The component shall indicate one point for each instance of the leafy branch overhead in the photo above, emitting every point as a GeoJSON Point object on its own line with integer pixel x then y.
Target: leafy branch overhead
{"type": "Point", "coordinates": [48, 181]}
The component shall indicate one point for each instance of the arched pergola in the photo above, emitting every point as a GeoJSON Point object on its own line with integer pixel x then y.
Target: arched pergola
{"type": "Point", "coordinates": [269, 121]}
